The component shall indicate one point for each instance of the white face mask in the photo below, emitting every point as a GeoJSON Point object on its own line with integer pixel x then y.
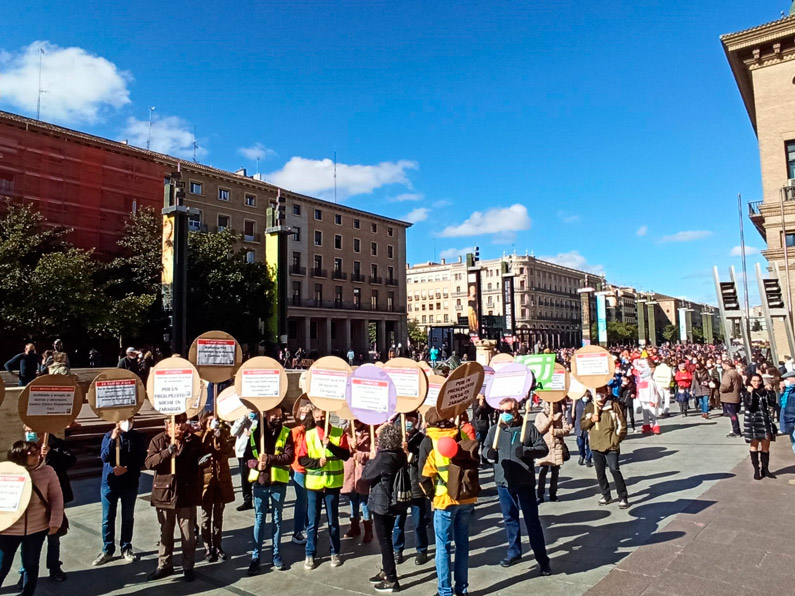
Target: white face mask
{"type": "Point", "coordinates": [125, 426]}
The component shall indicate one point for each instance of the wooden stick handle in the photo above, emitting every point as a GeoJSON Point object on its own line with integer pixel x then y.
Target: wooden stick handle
{"type": "Point", "coordinates": [173, 442]}
{"type": "Point", "coordinates": [325, 427]}
{"type": "Point", "coordinates": [215, 399]}
{"type": "Point", "coordinates": [497, 434]}
{"type": "Point", "coordinates": [118, 450]}
{"type": "Point", "coordinates": [403, 426]}
{"type": "Point", "coordinates": [262, 433]}
{"type": "Point", "coordinates": [524, 427]}
{"type": "Point", "coordinates": [353, 432]}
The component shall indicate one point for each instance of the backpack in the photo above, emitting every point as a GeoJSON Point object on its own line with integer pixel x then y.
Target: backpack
{"type": "Point", "coordinates": [463, 481]}
{"type": "Point", "coordinates": [401, 488]}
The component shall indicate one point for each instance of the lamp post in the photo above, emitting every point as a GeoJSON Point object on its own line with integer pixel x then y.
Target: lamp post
{"type": "Point", "coordinates": [585, 314]}
{"type": "Point", "coordinates": [640, 308]}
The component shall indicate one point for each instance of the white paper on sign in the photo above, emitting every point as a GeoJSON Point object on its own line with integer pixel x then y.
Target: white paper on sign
{"type": "Point", "coordinates": [215, 352]}
{"type": "Point", "coordinates": [173, 389]}
{"type": "Point", "coordinates": [329, 384]}
{"type": "Point", "coordinates": [460, 391]}
{"type": "Point", "coordinates": [261, 383]}
{"type": "Point", "coordinates": [432, 395]}
{"type": "Point", "coordinates": [509, 384]}
{"type": "Point", "coordinates": [51, 401]}
{"type": "Point", "coordinates": [592, 364]}
{"type": "Point", "coordinates": [116, 394]}
{"type": "Point", "coordinates": [369, 394]}
{"type": "Point", "coordinates": [498, 365]}
{"type": "Point", "coordinates": [406, 380]}
{"type": "Point", "coordinates": [11, 488]}
{"type": "Point", "coordinates": [228, 403]}
{"type": "Point", "coordinates": [558, 382]}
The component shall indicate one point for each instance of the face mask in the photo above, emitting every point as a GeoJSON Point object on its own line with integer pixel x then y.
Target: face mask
{"type": "Point", "coordinates": [31, 437]}
{"type": "Point", "coordinates": [214, 424]}
{"type": "Point", "coordinates": [125, 426]}
{"type": "Point", "coordinates": [252, 416]}
{"type": "Point", "coordinates": [506, 417]}
{"type": "Point", "coordinates": [409, 425]}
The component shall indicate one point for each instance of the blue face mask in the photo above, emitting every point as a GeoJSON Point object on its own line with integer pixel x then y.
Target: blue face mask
{"type": "Point", "coordinates": [409, 425]}
{"type": "Point", "coordinates": [506, 417]}
{"type": "Point", "coordinates": [31, 437]}
{"type": "Point", "coordinates": [252, 416]}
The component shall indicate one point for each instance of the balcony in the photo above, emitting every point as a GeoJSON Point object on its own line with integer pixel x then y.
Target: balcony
{"type": "Point", "coordinates": [374, 279]}
{"type": "Point", "coordinates": [756, 217]}
{"type": "Point", "coordinates": [342, 305]}
{"type": "Point", "coordinates": [297, 270]}
{"type": "Point", "coordinates": [356, 276]}
{"type": "Point", "coordinates": [392, 282]}
{"type": "Point", "coordinates": [319, 272]}
{"type": "Point", "coordinates": [338, 274]}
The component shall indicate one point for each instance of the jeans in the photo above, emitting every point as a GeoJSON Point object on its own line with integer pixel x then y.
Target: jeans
{"type": "Point", "coordinates": [731, 411]}
{"type": "Point", "coordinates": [384, 526]}
{"type": "Point", "coordinates": [264, 497]}
{"type": "Point", "coordinates": [110, 500]}
{"type": "Point", "coordinates": [553, 481]}
{"type": "Point", "coordinates": [245, 485]}
{"type": "Point", "coordinates": [31, 553]}
{"type": "Point", "coordinates": [358, 501]}
{"type": "Point", "coordinates": [511, 501]}
{"type": "Point", "coordinates": [452, 524]}
{"type": "Point", "coordinates": [299, 513]}
{"type": "Point", "coordinates": [315, 499]}
{"type": "Point", "coordinates": [212, 516]}
{"type": "Point", "coordinates": [584, 447]}
{"type": "Point", "coordinates": [704, 402]}
{"type": "Point", "coordinates": [420, 514]}
{"type": "Point", "coordinates": [603, 459]}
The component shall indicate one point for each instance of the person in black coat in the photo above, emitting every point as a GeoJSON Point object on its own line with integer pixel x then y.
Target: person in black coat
{"type": "Point", "coordinates": [420, 506]}
{"type": "Point", "coordinates": [758, 423]}
{"type": "Point", "coordinates": [380, 471]}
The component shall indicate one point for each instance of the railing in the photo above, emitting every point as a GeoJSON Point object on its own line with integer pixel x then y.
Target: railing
{"type": "Point", "coordinates": [297, 270]}
{"type": "Point", "coordinates": [341, 305]}
{"type": "Point", "coordinates": [374, 279]}
{"type": "Point", "coordinates": [358, 277]}
{"type": "Point", "coordinates": [319, 273]}
{"type": "Point", "coordinates": [392, 282]}
{"type": "Point", "coordinates": [753, 208]}
{"type": "Point", "coordinates": [337, 274]}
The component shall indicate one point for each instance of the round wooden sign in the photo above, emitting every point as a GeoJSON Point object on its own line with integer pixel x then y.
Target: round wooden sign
{"type": "Point", "coordinates": [593, 366]}
{"type": "Point", "coordinates": [379, 364]}
{"type": "Point", "coordinates": [410, 382]}
{"type": "Point", "coordinates": [511, 381]}
{"type": "Point", "coordinates": [435, 384]}
{"type": "Point", "coordinates": [216, 355]}
{"type": "Point", "coordinates": [327, 383]}
{"type": "Point", "coordinates": [261, 383]}
{"type": "Point", "coordinates": [460, 390]}
{"type": "Point", "coordinates": [556, 389]}
{"type": "Point", "coordinates": [500, 360]}
{"type": "Point", "coordinates": [576, 389]}
{"type": "Point", "coordinates": [50, 403]}
{"type": "Point", "coordinates": [426, 367]}
{"type": "Point", "coordinates": [228, 405]}
{"type": "Point", "coordinates": [371, 395]}
{"type": "Point", "coordinates": [15, 490]}
{"type": "Point", "coordinates": [195, 406]}
{"type": "Point", "coordinates": [116, 394]}
{"type": "Point", "coordinates": [174, 387]}
{"type": "Point", "coordinates": [344, 413]}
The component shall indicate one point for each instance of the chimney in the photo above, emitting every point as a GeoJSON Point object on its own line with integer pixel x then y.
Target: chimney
{"type": "Point", "coordinates": [241, 172]}
{"type": "Point", "coordinates": [444, 261]}
{"type": "Point", "coordinates": [460, 259]}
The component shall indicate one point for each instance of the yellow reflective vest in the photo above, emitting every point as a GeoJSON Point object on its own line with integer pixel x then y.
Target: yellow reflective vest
{"type": "Point", "coordinates": [330, 475]}
{"type": "Point", "coordinates": [280, 474]}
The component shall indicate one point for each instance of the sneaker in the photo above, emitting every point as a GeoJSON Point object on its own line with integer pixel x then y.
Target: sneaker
{"type": "Point", "coordinates": [387, 586]}
{"type": "Point", "coordinates": [188, 575]}
{"type": "Point", "coordinates": [732, 436]}
{"type": "Point", "coordinates": [277, 563]}
{"type": "Point", "coordinates": [309, 563]}
{"type": "Point", "coordinates": [57, 575]}
{"type": "Point", "coordinates": [378, 577]}
{"type": "Point", "coordinates": [421, 559]}
{"type": "Point", "coordinates": [336, 561]}
{"type": "Point", "coordinates": [246, 506]}
{"type": "Point", "coordinates": [623, 504]}
{"type": "Point", "coordinates": [398, 557]}
{"type": "Point", "coordinates": [605, 501]}
{"type": "Point", "coordinates": [589, 464]}
{"type": "Point", "coordinates": [160, 573]}
{"type": "Point", "coordinates": [128, 555]}
{"type": "Point", "coordinates": [253, 568]}
{"type": "Point", "coordinates": [101, 559]}
{"type": "Point", "coordinates": [299, 538]}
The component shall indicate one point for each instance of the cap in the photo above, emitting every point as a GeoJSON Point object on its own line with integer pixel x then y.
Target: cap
{"type": "Point", "coordinates": [131, 350]}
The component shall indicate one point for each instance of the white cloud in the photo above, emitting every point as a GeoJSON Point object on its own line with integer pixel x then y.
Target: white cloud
{"type": "Point", "coordinates": [78, 86]}
{"type": "Point", "coordinates": [686, 236]}
{"type": "Point", "coordinates": [498, 220]}
{"type": "Point", "coordinates": [574, 260]}
{"type": "Point", "coordinates": [442, 203]}
{"type": "Point", "coordinates": [642, 230]}
{"type": "Point", "coordinates": [407, 196]}
{"type": "Point", "coordinates": [170, 135]}
{"type": "Point", "coordinates": [417, 215]}
{"type": "Point", "coordinates": [256, 151]}
{"type": "Point", "coordinates": [316, 176]}
{"type": "Point", "coordinates": [568, 218]}
{"type": "Point", "coordinates": [737, 251]}
{"type": "Point", "coordinates": [453, 253]}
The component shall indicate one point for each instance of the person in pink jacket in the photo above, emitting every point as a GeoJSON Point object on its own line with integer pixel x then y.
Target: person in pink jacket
{"type": "Point", "coordinates": [43, 516]}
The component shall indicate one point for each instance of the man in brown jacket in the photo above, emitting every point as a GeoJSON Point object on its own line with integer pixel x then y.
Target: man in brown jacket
{"type": "Point", "coordinates": [176, 496]}
{"type": "Point", "coordinates": [604, 420]}
{"type": "Point", "coordinates": [730, 386]}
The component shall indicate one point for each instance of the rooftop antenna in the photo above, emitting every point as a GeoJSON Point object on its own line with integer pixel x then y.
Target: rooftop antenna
{"type": "Point", "coordinates": [195, 144]}
{"type": "Point", "coordinates": [257, 165]}
{"type": "Point", "coordinates": [38, 97]}
{"type": "Point", "coordinates": [335, 176]}
{"type": "Point", "coordinates": [149, 136]}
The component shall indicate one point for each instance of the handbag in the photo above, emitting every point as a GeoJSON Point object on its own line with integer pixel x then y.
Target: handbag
{"type": "Point", "coordinates": [64, 529]}
{"type": "Point", "coordinates": [566, 454]}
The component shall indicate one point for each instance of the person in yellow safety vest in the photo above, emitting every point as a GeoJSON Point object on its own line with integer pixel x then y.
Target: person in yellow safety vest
{"type": "Point", "coordinates": [323, 458]}
{"type": "Point", "coordinates": [269, 473]}
{"type": "Point", "coordinates": [451, 518]}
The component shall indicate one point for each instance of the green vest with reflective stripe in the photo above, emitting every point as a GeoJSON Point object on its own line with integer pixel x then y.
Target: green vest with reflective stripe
{"type": "Point", "coordinates": [279, 474]}
{"type": "Point", "coordinates": [330, 475]}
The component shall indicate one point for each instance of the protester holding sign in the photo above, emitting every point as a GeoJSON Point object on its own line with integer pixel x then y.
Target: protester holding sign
{"type": "Point", "coordinates": [175, 495]}
{"type": "Point", "coordinates": [43, 516]}
{"type": "Point", "coordinates": [217, 488]}
{"type": "Point", "coordinates": [356, 488]}
{"type": "Point", "coordinates": [553, 427]}
{"type": "Point", "coordinates": [120, 483]}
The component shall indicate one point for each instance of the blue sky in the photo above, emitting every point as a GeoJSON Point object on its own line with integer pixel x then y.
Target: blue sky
{"type": "Point", "coordinates": [607, 135]}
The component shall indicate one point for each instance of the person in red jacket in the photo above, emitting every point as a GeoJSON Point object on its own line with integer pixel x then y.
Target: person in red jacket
{"type": "Point", "coordinates": [683, 379]}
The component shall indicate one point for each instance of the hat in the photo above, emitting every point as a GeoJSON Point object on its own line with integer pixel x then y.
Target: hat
{"type": "Point", "coordinates": [788, 375]}
{"type": "Point", "coordinates": [131, 350]}
{"type": "Point", "coordinates": [432, 417]}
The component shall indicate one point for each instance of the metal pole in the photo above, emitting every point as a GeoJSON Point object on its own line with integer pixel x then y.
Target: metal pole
{"type": "Point", "coordinates": [745, 271]}
{"type": "Point", "coordinates": [149, 137]}
{"type": "Point", "coordinates": [38, 96]}
{"type": "Point", "coordinates": [786, 252]}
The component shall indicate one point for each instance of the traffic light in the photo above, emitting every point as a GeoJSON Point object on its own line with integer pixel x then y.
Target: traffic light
{"type": "Point", "coordinates": [773, 293]}
{"type": "Point", "coordinates": [728, 291]}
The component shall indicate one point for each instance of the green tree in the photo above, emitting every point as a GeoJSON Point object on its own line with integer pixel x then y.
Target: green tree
{"type": "Point", "coordinates": [670, 332]}
{"type": "Point", "coordinates": [416, 333]}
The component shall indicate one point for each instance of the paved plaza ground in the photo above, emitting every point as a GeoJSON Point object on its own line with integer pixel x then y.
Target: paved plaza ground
{"type": "Point", "coordinates": [698, 524]}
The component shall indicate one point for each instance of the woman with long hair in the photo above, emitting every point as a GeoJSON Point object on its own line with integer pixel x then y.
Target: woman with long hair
{"type": "Point", "coordinates": [758, 423]}
{"type": "Point", "coordinates": [553, 427]}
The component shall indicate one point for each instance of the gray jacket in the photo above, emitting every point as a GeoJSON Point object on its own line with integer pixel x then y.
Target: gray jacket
{"type": "Point", "coordinates": [514, 467]}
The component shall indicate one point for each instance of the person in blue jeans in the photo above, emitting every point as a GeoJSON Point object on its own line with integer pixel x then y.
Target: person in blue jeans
{"type": "Point", "coordinates": [514, 475]}
{"type": "Point", "coordinates": [120, 483]}
{"type": "Point", "coordinates": [419, 506]}
{"type": "Point", "coordinates": [584, 448]}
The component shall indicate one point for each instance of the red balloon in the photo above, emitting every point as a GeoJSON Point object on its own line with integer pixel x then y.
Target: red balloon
{"type": "Point", "coordinates": [447, 447]}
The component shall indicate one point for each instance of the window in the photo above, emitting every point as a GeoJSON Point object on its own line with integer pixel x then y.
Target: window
{"type": "Point", "coordinates": [338, 296]}
{"type": "Point", "coordinates": [791, 159]}
{"type": "Point", "coordinates": [223, 194]}
{"type": "Point", "coordinates": [249, 230]}
{"type": "Point", "coordinates": [338, 241]}
{"type": "Point", "coordinates": [195, 221]}
{"type": "Point", "coordinates": [790, 240]}
{"type": "Point", "coordinates": [337, 264]}
{"type": "Point", "coordinates": [195, 188]}
{"type": "Point", "coordinates": [338, 219]}
{"type": "Point", "coordinates": [296, 293]}
{"type": "Point", "coordinates": [374, 300]}
{"type": "Point", "coordinates": [374, 249]}
{"type": "Point", "coordinates": [356, 224]}
{"type": "Point", "coordinates": [446, 318]}
{"type": "Point", "coordinates": [249, 256]}
{"type": "Point", "coordinates": [318, 214]}
{"type": "Point", "coordinates": [223, 222]}
{"type": "Point", "coordinates": [390, 273]}
{"type": "Point", "coordinates": [374, 270]}
{"type": "Point", "coordinates": [423, 319]}
{"type": "Point", "coordinates": [318, 294]}
{"type": "Point", "coordinates": [318, 260]}
{"type": "Point", "coordinates": [296, 209]}
{"type": "Point", "coordinates": [357, 245]}
{"type": "Point", "coordinates": [296, 234]}
{"type": "Point", "coordinates": [374, 228]}
{"type": "Point", "coordinates": [430, 306]}
{"type": "Point", "coordinates": [251, 201]}
{"type": "Point", "coordinates": [357, 267]}
{"type": "Point", "coordinates": [318, 238]}
{"type": "Point", "coordinates": [390, 251]}
{"type": "Point", "coordinates": [357, 297]}
{"type": "Point", "coordinates": [390, 232]}
{"type": "Point", "coordinates": [296, 259]}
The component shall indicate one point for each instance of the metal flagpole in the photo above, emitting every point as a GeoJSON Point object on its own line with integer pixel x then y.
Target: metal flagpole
{"type": "Point", "coordinates": [747, 321]}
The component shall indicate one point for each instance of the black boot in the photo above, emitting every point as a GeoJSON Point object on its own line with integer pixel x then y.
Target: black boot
{"type": "Point", "coordinates": [755, 464]}
{"type": "Point", "coordinates": [765, 463]}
